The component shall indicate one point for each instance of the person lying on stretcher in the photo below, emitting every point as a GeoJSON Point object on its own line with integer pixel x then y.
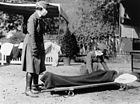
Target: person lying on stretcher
{"type": "Point", "coordinates": [91, 74]}
{"type": "Point", "coordinates": [51, 80]}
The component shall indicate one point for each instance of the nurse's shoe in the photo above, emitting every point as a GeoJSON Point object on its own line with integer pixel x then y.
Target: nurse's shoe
{"type": "Point", "coordinates": [36, 90]}
{"type": "Point", "coordinates": [30, 93]}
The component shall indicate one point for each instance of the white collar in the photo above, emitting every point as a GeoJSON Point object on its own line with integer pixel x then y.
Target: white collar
{"type": "Point", "coordinates": [39, 14]}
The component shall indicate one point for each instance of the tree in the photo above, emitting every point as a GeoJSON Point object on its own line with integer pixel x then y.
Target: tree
{"type": "Point", "coordinates": [99, 23]}
{"type": "Point", "coordinates": [69, 45]}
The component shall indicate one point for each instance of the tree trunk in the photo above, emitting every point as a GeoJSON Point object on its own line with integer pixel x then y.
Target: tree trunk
{"type": "Point", "coordinates": [66, 61]}
{"type": "Point", "coordinates": [72, 60]}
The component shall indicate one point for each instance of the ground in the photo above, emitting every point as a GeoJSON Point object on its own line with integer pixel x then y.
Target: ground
{"type": "Point", "coordinates": [12, 84]}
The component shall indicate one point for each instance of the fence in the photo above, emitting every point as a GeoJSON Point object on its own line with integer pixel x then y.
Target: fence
{"type": "Point", "coordinates": [3, 60]}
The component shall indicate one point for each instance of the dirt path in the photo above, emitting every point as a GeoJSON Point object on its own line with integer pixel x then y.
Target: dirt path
{"type": "Point", "coordinates": [12, 83]}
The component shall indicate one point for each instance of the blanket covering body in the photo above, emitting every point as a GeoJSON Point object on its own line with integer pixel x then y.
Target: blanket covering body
{"type": "Point", "coordinates": [51, 80]}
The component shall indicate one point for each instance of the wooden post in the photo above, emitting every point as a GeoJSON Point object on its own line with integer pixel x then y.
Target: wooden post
{"type": "Point", "coordinates": [2, 59]}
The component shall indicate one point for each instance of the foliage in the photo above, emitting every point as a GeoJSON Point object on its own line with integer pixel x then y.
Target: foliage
{"type": "Point", "coordinates": [69, 45]}
{"type": "Point", "coordinates": [97, 19]}
{"type": "Point", "coordinates": [11, 24]}
{"type": "Point", "coordinates": [110, 15]}
{"type": "Point", "coordinates": [17, 38]}
{"type": "Point", "coordinates": [99, 23]}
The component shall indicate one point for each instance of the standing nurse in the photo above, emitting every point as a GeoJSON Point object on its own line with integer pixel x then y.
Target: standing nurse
{"type": "Point", "coordinates": [33, 54]}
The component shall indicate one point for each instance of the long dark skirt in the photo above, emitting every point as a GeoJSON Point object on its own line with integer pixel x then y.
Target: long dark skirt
{"type": "Point", "coordinates": [31, 63]}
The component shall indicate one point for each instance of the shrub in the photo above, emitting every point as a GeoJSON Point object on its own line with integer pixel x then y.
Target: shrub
{"type": "Point", "coordinates": [17, 38]}
{"type": "Point", "coordinates": [69, 46]}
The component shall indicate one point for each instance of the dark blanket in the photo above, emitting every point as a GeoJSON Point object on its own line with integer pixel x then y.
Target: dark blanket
{"type": "Point", "coordinates": [51, 80]}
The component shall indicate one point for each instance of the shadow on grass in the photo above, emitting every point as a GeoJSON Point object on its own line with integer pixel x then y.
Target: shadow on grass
{"type": "Point", "coordinates": [71, 64]}
{"type": "Point", "coordinates": [133, 87]}
{"type": "Point", "coordinates": [89, 90]}
{"type": "Point", "coordinates": [92, 90]}
{"type": "Point", "coordinates": [4, 65]}
{"type": "Point", "coordinates": [8, 65]}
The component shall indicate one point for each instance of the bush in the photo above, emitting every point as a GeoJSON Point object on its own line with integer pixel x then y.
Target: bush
{"type": "Point", "coordinates": [17, 38]}
{"type": "Point", "coordinates": [69, 46]}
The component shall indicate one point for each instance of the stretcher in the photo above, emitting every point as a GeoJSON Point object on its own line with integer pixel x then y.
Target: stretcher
{"type": "Point", "coordinates": [58, 83]}
{"type": "Point", "coordinates": [70, 91]}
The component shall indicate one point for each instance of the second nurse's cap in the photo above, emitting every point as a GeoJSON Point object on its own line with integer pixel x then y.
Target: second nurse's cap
{"type": "Point", "coordinates": [43, 4]}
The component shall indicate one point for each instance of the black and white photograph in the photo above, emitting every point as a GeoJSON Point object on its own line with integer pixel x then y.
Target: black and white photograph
{"type": "Point", "coordinates": [69, 52]}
